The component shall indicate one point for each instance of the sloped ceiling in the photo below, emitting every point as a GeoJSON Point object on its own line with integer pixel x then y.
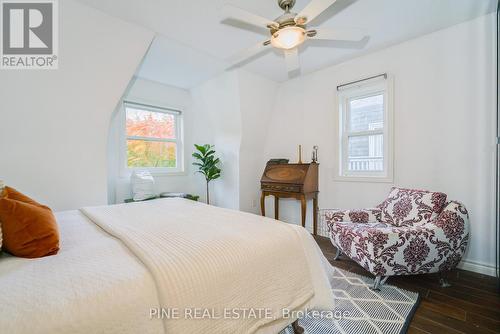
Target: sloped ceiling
{"type": "Point", "coordinates": [55, 123]}
{"type": "Point", "coordinates": [193, 43]}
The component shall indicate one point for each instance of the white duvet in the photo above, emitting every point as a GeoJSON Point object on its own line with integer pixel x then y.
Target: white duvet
{"type": "Point", "coordinates": [127, 260]}
{"type": "Point", "coordinates": [93, 285]}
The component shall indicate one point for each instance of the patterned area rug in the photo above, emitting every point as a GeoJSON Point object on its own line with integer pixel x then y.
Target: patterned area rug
{"type": "Point", "coordinates": [361, 310]}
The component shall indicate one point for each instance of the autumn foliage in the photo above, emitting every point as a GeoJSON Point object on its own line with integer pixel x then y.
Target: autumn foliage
{"type": "Point", "coordinates": [144, 130]}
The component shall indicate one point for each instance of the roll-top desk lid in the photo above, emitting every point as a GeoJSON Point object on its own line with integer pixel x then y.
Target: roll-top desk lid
{"type": "Point", "coordinates": [305, 175]}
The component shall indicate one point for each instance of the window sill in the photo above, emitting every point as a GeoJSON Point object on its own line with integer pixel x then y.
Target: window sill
{"type": "Point", "coordinates": [166, 173]}
{"type": "Point", "coordinates": [157, 173]}
{"type": "Point", "coordinates": [366, 179]}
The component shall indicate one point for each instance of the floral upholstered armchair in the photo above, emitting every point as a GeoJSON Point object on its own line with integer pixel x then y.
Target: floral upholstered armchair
{"type": "Point", "coordinates": [411, 232]}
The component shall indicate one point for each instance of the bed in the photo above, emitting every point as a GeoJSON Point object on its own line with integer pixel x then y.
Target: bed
{"type": "Point", "coordinates": [165, 266]}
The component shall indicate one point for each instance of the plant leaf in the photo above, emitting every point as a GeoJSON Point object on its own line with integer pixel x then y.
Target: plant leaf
{"type": "Point", "coordinates": [197, 156]}
{"type": "Point", "coordinates": [207, 162]}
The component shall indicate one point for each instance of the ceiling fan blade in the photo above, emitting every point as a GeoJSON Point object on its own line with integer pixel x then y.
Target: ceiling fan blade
{"type": "Point", "coordinates": [245, 54]}
{"type": "Point", "coordinates": [339, 34]}
{"type": "Point", "coordinates": [292, 60]}
{"type": "Point", "coordinates": [313, 9]}
{"type": "Point", "coordinates": [232, 12]}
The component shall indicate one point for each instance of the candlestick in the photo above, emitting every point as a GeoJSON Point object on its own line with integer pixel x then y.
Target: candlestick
{"type": "Point", "coordinates": [315, 154]}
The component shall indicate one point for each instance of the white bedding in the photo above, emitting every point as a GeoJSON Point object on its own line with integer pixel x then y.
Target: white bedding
{"type": "Point", "coordinates": [93, 285]}
{"type": "Point", "coordinates": [171, 253]}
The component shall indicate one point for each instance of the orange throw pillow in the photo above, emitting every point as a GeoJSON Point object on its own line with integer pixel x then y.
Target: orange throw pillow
{"type": "Point", "coordinates": [29, 228]}
{"type": "Point", "coordinates": [12, 193]}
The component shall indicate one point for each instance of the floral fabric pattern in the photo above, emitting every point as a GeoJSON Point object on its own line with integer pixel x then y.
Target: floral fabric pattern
{"type": "Point", "coordinates": [433, 243]}
{"type": "Point", "coordinates": [409, 207]}
{"type": "Point", "coordinates": [416, 252]}
{"type": "Point", "coordinates": [355, 216]}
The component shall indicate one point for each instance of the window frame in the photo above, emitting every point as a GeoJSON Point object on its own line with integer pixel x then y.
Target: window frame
{"type": "Point", "coordinates": [179, 139]}
{"type": "Point", "coordinates": [357, 91]}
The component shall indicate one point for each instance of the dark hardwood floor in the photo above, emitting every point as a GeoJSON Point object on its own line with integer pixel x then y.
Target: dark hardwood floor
{"type": "Point", "coordinates": [470, 305]}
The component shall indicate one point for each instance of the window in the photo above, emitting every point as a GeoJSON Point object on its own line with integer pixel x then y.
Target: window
{"type": "Point", "coordinates": [152, 138]}
{"type": "Point", "coordinates": [365, 114]}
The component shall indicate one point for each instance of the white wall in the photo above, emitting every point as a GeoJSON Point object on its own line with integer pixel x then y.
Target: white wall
{"type": "Point", "coordinates": [161, 95]}
{"type": "Point", "coordinates": [257, 96]}
{"type": "Point", "coordinates": [444, 125]}
{"type": "Point", "coordinates": [232, 112]}
{"type": "Point", "coordinates": [54, 124]}
{"type": "Point", "coordinates": [218, 122]}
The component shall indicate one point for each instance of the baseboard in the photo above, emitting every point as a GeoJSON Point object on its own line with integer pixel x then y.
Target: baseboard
{"type": "Point", "coordinates": [476, 267]}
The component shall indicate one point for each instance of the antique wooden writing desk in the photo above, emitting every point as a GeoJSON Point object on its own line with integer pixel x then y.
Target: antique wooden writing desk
{"type": "Point", "coordinates": [299, 181]}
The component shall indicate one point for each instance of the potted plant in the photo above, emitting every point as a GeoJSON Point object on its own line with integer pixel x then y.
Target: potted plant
{"type": "Point", "coordinates": [207, 164]}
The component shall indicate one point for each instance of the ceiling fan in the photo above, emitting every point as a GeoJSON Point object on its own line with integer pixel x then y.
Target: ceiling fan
{"type": "Point", "coordinates": [288, 31]}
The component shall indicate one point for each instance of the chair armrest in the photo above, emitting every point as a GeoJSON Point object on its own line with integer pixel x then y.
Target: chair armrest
{"type": "Point", "coordinates": [370, 215]}
{"type": "Point", "coordinates": [452, 224]}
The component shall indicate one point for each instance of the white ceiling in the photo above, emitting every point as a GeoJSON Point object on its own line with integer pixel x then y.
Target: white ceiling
{"type": "Point", "coordinates": [192, 43]}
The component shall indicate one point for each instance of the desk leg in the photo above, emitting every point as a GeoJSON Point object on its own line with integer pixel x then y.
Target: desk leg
{"type": "Point", "coordinates": [303, 206]}
{"type": "Point", "coordinates": [276, 207]}
{"type": "Point", "coordinates": [315, 215]}
{"type": "Point", "coordinates": [263, 204]}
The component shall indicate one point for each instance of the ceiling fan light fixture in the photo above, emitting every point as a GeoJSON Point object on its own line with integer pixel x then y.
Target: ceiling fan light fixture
{"type": "Point", "coordinates": [288, 38]}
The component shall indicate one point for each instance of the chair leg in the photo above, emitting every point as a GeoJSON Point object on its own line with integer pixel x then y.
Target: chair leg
{"type": "Point", "coordinates": [443, 280]}
{"type": "Point", "coordinates": [376, 283]}
{"type": "Point", "coordinates": [337, 254]}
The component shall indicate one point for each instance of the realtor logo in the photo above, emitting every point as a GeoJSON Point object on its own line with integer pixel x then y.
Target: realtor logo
{"type": "Point", "coordinates": [29, 34]}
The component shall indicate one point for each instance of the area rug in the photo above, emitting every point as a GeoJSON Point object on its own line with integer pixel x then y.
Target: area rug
{"type": "Point", "coordinates": [361, 310]}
